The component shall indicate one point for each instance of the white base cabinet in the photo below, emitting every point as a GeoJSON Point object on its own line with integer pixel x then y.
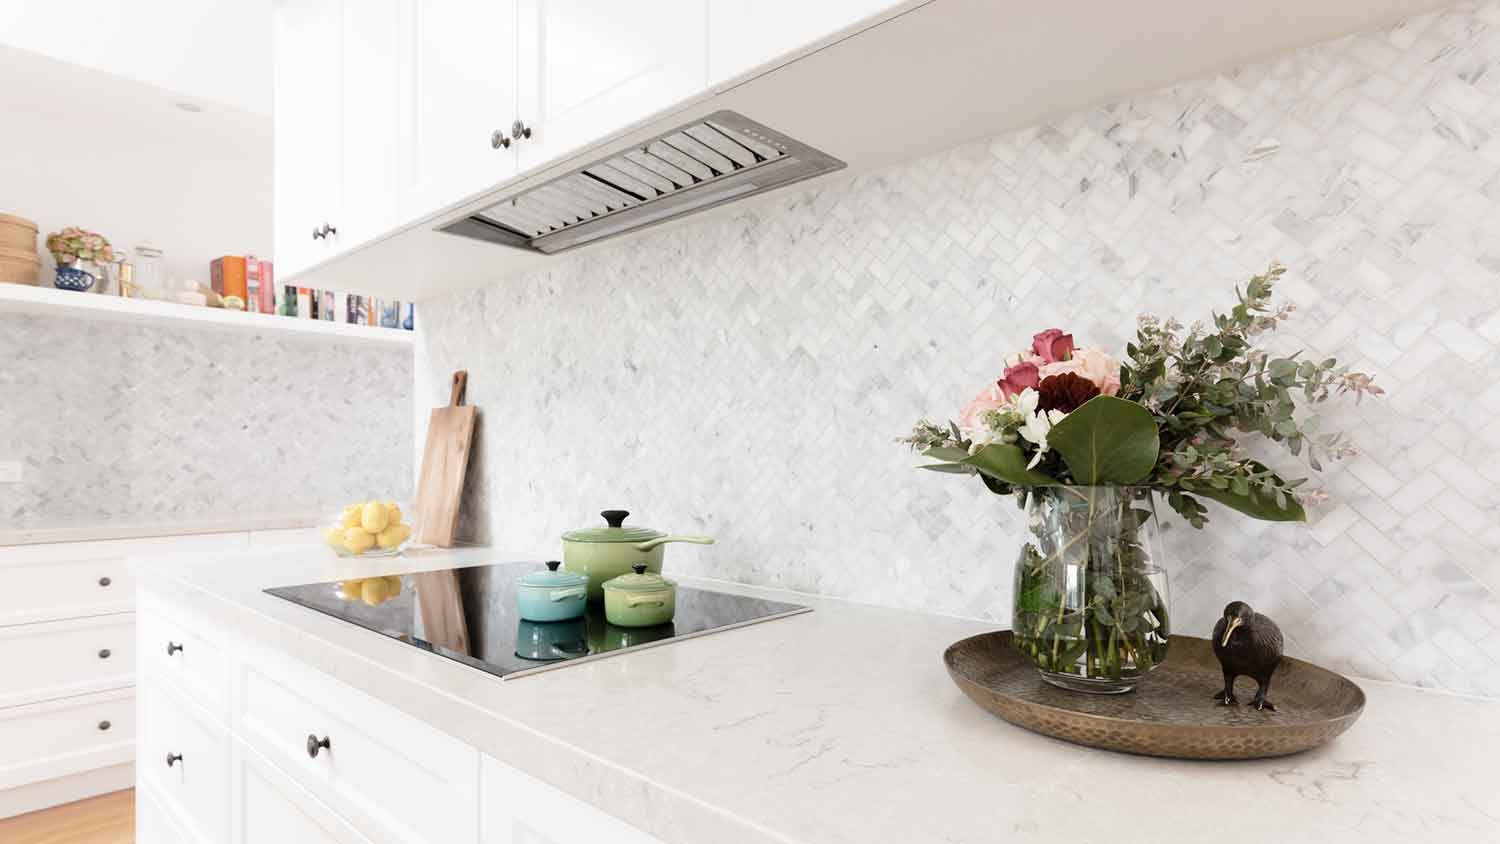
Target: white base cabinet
{"type": "Point", "coordinates": [301, 757]}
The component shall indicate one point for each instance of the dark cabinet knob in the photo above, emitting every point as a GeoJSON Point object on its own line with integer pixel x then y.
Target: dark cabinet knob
{"type": "Point", "coordinates": [325, 231]}
{"type": "Point", "coordinates": [318, 234]}
{"type": "Point", "coordinates": [104, 653]}
{"type": "Point", "coordinates": [173, 759]}
{"type": "Point", "coordinates": [314, 744]}
{"type": "Point", "coordinates": [520, 130]}
{"type": "Point", "coordinates": [104, 725]}
{"type": "Point", "coordinates": [498, 140]}
{"type": "Point", "coordinates": [104, 581]}
{"type": "Point", "coordinates": [172, 648]}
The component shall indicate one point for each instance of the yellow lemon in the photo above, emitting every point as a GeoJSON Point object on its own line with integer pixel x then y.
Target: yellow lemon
{"type": "Point", "coordinates": [393, 536]}
{"type": "Point", "coordinates": [392, 513]}
{"type": "Point", "coordinates": [350, 517]}
{"type": "Point", "coordinates": [373, 519]}
{"type": "Point", "coordinates": [358, 539]}
{"type": "Point", "coordinates": [393, 585]}
{"type": "Point", "coordinates": [334, 536]}
{"type": "Point", "coordinates": [374, 591]}
{"type": "Point", "coordinates": [349, 590]}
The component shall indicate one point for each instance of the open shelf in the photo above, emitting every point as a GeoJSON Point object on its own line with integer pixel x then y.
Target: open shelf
{"type": "Point", "coordinates": [20, 298]}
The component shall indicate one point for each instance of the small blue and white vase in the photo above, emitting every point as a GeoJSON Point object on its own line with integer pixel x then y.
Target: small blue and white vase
{"type": "Point", "coordinates": [72, 277]}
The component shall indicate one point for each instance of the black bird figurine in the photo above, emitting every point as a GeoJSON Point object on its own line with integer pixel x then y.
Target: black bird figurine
{"type": "Point", "coordinates": [1247, 643]}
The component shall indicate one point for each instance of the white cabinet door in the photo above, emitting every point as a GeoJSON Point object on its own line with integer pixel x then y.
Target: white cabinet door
{"type": "Point", "coordinates": [271, 809]}
{"type": "Point", "coordinates": [458, 89]}
{"type": "Point", "coordinates": [369, 135]}
{"type": "Point", "coordinates": [308, 129]}
{"type": "Point", "coordinates": [742, 36]}
{"type": "Point", "coordinates": [589, 68]}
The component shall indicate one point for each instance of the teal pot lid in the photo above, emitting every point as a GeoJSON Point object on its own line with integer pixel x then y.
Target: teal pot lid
{"type": "Point", "coordinates": [552, 578]}
{"type": "Point", "coordinates": [614, 532]}
{"type": "Point", "coordinates": [640, 581]}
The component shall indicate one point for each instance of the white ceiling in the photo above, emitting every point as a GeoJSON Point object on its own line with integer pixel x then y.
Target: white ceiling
{"type": "Point", "coordinates": [216, 51]}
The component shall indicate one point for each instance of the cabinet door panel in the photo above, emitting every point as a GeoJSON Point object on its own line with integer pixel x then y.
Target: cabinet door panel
{"type": "Point", "coordinates": [458, 88]}
{"type": "Point", "coordinates": [308, 128]}
{"type": "Point", "coordinates": [371, 81]}
{"type": "Point", "coordinates": [588, 69]}
{"type": "Point", "coordinates": [271, 809]}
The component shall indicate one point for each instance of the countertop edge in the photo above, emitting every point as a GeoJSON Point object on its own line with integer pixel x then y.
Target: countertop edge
{"type": "Point", "coordinates": [104, 533]}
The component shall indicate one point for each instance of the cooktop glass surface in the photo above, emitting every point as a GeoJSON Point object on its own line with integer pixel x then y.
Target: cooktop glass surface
{"type": "Point", "coordinates": [469, 615]}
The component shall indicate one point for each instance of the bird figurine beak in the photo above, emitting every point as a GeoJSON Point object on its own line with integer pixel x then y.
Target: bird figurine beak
{"type": "Point", "coordinates": [1234, 624]}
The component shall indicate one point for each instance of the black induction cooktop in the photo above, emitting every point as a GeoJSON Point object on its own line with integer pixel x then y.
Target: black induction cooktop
{"type": "Point", "coordinates": [469, 615]}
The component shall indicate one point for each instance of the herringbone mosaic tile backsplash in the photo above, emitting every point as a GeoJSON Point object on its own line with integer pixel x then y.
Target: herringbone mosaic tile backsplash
{"type": "Point", "coordinates": [745, 374]}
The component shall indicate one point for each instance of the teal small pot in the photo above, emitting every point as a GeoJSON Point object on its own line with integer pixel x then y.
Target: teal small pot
{"type": "Point", "coordinates": [552, 595]}
{"type": "Point", "coordinates": [546, 641]}
{"type": "Point", "coordinates": [640, 599]}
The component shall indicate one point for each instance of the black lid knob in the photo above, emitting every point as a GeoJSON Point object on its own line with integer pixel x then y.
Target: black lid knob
{"type": "Point", "coordinates": [615, 517]}
{"type": "Point", "coordinates": [640, 568]}
{"type": "Point", "coordinates": [553, 564]}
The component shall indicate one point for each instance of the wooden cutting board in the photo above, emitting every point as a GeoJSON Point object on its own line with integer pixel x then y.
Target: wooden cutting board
{"type": "Point", "coordinates": [445, 461]}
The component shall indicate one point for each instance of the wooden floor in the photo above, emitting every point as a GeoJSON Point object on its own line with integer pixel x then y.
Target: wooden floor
{"type": "Point", "coordinates": [106, 819]}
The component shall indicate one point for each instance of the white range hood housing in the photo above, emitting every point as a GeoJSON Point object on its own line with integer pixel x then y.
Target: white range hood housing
{"type": "Point", "coordinates": [925, 77]}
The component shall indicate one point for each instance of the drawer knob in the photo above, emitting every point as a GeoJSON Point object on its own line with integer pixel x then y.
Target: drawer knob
{"type": "Point", "coordinates": [104, 725]}
{"type": "Point", "coordinates": [104, 581]}
{"type": "Point", "coordinates": [314, 744]}
{"type": "Point", "coordinates": [173, 759]}
{"type": "Point", "coordinates": [520, 130]}
{"type": "Point", "coordinates": [172, 648]}
{"type": "Point", "coordinates": [104, 653]}
{"type": "Point", "coordinates": [498, 140]}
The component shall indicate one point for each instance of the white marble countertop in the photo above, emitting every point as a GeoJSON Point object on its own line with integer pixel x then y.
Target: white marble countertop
{"type": "Point", "coordinates": [841, 725]}
{"type": "Point", "coordinates": [150, 530]}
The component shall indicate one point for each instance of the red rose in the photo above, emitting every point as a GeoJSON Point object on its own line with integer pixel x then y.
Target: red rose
{"type": "Point", "coordinates": [1019, 377]}
{"type": "Point", "coordinates": [1052, 345]}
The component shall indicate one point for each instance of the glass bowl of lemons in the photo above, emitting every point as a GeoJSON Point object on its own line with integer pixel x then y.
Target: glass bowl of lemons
{"type": "Point", "coordinates": [372, 591]}
{"type": "Point", "coordinates": [369, 529]}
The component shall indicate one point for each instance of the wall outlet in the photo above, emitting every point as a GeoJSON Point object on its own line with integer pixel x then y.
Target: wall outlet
{"type": "Point", "coordinates": [10, 471]}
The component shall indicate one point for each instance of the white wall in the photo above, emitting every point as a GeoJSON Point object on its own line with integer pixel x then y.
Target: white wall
{"type": "Point", "coordinates": [215, 50]}
{"type": "Point", "coordinates": [83, 147]}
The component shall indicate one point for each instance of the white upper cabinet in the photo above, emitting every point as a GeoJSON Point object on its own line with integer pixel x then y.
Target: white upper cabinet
{"type": "Point", "coordinates": [743, 36]}
{"type": "Point", "coordinates": [308, 128]}
{"type": "Point", "coordinates": [369, 133]}
{"type": "Point", "coordinates": [458, 95]}
{"type": "Point", "coordinates": [589, 68]}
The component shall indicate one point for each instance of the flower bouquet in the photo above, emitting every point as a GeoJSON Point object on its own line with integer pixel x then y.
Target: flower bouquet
{"type": "Point", "coordinates": [1087, 443]}
{"type": "Point", "coordinates": [79, 255]}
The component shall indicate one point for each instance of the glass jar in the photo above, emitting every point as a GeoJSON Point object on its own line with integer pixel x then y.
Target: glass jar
{"type": "Point", "coordinates": [1090, 591]}
{"type": "Point", "coordinates": [149, 271]}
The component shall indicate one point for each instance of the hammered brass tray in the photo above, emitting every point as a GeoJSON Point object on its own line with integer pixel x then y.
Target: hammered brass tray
{"type": "Point", "coordinates": [1171, 712]}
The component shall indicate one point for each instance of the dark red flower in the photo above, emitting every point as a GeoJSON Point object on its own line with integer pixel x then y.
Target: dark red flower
{"type": "Point", "coordinates": [1066, 392]}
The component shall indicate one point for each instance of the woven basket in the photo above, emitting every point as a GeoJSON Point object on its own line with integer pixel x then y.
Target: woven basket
{"type": "Point", "coordinates": [17, 233]}
{"type": "Point", "coordinates": [19, 266]}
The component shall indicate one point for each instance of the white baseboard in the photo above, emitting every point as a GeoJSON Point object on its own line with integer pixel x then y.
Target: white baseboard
{"type": "Point", "coordinates": [55, 792]}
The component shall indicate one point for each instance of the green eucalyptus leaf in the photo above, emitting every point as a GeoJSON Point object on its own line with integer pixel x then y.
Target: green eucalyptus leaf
{"type": "Point", "coordinates": [1107, 441]}
{"type": "Point", "coordinates": [1007, 463]}
{"type": "Point", "coordinates": [948, 468]}
{"type": "Point", "coordinates": [952, 455]}
{"type": "Point", "coordinates": [1255, 503]}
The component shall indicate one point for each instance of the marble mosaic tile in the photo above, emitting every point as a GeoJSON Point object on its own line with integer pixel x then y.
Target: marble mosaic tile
{"type": "Point", "coordinates": [129, 425]}
{"type": "Point", "coordinates": [744, 374]}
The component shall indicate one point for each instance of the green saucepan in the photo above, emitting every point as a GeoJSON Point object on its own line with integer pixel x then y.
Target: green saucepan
{"type": "Point", "coordinates": [640, 599]}
{"type": "Point", "coordinates": [604, 553]}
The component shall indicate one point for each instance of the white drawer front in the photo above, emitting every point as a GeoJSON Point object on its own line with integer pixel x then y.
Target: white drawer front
{"type": "Point", "coordinates": [66, 658]}
{"type": "Point", "coordinates": [58, 738]}
{"type": "Point", "coordinates": [271, 809]}
{"type": "Point", "coordinates": [186, 651]}
{"type": "Point", "coordinates": [394, 778]}
{"type": "Point", "coordinates": [184, 754]}
{"type": "Point", "coordinates": [51, 590]}
{"type": "Point", "coordinates": [152, 823]}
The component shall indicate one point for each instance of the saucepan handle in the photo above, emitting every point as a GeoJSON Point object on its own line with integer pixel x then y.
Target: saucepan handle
{"type": "Point", "coordinates": [663, 540]}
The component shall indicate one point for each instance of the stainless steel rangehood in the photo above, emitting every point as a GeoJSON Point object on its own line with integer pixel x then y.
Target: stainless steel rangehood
{"type": "Point", "coordinates": [716, 159]}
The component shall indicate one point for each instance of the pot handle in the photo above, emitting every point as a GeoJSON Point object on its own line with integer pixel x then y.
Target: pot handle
{"type": "Point", "coordinates": [662, 540]}
{"type": "Point", "coordinates": [639, 600]}
{"type": "Point", "coordinates": [563, 594]}
{"type": "Point", "coordinates": [566, 653]}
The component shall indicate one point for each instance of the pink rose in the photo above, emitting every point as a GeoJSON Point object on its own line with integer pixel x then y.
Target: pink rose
{"type": "Point", "coordinates": [1019, 377]}
{"type": "Point", "coordinates": [1094, 365]}
{"type": "Point", "coordinates": [971, 420]}
{"type": "Point", "coordinates": [1052, 345]}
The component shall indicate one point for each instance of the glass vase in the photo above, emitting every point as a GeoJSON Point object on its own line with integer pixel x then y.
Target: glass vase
{"type": "Point", "coordinates": [1090, 590]}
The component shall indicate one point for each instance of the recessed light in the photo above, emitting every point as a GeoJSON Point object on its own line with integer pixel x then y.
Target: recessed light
{"type": "Point", "coordinates": [187, 106]}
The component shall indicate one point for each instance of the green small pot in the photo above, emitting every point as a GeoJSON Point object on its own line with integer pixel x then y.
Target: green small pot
{"type": "Point", "coordinates": [604, 553]}
{"type": "Point", "coordinates": [640, 599]}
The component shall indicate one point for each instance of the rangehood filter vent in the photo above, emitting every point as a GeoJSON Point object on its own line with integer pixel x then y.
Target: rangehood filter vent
{"type": "Point", "coordinates": [708, 162]}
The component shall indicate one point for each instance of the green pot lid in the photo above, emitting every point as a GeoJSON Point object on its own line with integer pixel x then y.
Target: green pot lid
{"type": "Point", "coordinates": [614, 532]}
{"type": "Point", "coordinates": [640, 581]}
{"type": "Point", "coordinates": [552, 578]}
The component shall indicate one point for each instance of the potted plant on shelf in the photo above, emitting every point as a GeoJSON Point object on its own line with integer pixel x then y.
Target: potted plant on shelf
{"type": "Point", "coordinates": [1087, 444]}
{"type": "Point", "coordinates": [79, 255]}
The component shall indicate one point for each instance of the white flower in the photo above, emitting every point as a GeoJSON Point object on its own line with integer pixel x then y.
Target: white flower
{"type": "Point", "coordinates": [1035, 424]}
